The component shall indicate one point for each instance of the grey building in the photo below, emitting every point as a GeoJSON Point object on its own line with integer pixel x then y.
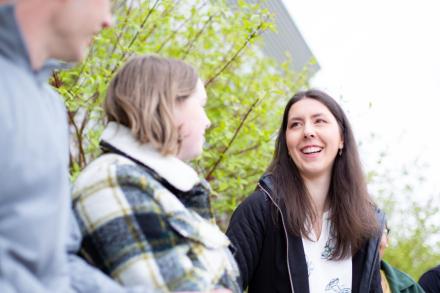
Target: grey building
{"type": "Point", "coordinates": [287, 39]}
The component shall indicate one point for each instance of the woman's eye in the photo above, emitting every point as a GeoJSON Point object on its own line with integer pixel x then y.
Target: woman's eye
{"type": "Point", "coordinates": [319, 121]}
{"type": "Point", "coordinates": [294, 124]}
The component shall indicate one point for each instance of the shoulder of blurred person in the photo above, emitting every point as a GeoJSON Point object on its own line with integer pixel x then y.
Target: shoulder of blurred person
{"type": "Point", "coordinates": [430, 280]}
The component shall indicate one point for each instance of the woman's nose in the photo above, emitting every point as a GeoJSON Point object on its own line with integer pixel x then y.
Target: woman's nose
{"type": "Point", "coordinates": [309, 130]}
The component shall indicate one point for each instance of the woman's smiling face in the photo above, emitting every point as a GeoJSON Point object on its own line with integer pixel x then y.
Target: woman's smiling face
{"type": "Point", "coordinates": [313, 138]}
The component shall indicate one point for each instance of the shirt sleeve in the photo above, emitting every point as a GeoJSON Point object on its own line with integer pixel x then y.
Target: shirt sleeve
{"type": "Point", "coordinates": [32, 257]}
{"type": "Point", "coordinates": [86, 278]}
{"type": "Point", "coordinates": [14, 276]}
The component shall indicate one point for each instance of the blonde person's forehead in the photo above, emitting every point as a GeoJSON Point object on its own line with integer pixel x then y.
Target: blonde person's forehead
{"type": "Point", "coordinates": [200, 89]}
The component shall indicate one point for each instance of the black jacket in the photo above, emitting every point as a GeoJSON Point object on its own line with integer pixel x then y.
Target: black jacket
{"type": "Point", "coordinates": [430, 281]}
{"type": "Point", "coordinates": [272, 260]}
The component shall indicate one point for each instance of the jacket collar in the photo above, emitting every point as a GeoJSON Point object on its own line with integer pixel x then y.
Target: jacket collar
{"type": "Point", "coordinates": [397, 279]}
{"type": "Point", "coordinates": [13, 46]}
{"type": "Point", "coordinates": [172, 169]}
{"type": "Point", "coordinates": [266, 180]}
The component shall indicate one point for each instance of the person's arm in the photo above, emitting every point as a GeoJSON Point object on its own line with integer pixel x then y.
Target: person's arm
{"type": "Point", "coordinates": [15, 277]}
{"type": "Point", "coordinates": [246, 231]}
{"type": "Point", "coordinates": [32, 256]}
{"type": "Point", "coordinates": [85, 278]}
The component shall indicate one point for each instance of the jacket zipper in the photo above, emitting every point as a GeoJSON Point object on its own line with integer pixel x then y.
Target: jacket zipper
{"type": "Point", "coordinates": [285, 232]}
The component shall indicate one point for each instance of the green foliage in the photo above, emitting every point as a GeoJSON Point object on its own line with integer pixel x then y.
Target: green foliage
{"type": "Point", "coordinates": [246, 89]}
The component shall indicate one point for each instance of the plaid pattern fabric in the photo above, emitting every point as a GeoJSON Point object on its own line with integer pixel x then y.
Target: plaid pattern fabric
{"type": "Point", "coordinates": [140, 233]}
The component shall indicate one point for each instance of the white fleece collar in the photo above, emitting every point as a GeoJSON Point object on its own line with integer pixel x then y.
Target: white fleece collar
{"type": "Point", "coordinates": [175, 171]}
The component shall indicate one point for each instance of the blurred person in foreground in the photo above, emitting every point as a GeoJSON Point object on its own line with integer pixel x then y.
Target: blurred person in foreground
{"type": "Point", "coordinates": [37, 229]}
{"type": "Point", "coordinates": [39, 237]}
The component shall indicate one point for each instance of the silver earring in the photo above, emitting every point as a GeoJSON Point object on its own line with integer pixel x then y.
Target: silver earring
{"type": "Point", "coordinates": [340, 152]}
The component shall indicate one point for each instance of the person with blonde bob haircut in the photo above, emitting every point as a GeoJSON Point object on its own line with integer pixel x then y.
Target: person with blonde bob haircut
{"type": "Point", "coordinates": [143, 211]}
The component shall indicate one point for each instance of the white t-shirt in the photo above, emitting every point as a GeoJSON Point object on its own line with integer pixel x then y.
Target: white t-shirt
{"type": "Point", "coordinates": [326, 275]}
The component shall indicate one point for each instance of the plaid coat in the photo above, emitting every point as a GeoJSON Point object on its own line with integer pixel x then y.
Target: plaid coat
{"type": "Point", "coordinates": [146, 220]}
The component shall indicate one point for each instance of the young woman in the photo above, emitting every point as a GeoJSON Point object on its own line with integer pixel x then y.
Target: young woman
{"type": "Point", "coordinates": [310, 226]}
{"type": "Point", "coordinates": [144, 213]}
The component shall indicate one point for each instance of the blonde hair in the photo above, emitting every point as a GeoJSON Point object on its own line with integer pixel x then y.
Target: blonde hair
{"type": "Point", "coordinates": [142, 96]}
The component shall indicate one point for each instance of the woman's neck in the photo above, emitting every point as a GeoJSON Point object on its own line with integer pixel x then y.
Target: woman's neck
{"type": "Point", "coordinates": [317, 188]}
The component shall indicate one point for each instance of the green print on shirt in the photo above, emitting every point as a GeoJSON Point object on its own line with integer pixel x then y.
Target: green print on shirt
{"type": "Point", "coordinates": [329, 248]}
{"type": "Point", "coordinates": [334, 286]}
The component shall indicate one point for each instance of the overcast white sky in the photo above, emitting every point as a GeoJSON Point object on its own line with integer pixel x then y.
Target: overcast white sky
{"type": "Point", "coordinates": [383, 58]}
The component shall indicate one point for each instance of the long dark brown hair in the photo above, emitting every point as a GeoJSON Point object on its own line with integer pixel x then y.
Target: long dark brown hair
{"type": "Point", "coordinates": [352, 211]}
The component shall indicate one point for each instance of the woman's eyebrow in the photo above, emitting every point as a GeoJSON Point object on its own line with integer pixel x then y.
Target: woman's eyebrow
{"type": "Point", "coordinates": [318, 115]}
